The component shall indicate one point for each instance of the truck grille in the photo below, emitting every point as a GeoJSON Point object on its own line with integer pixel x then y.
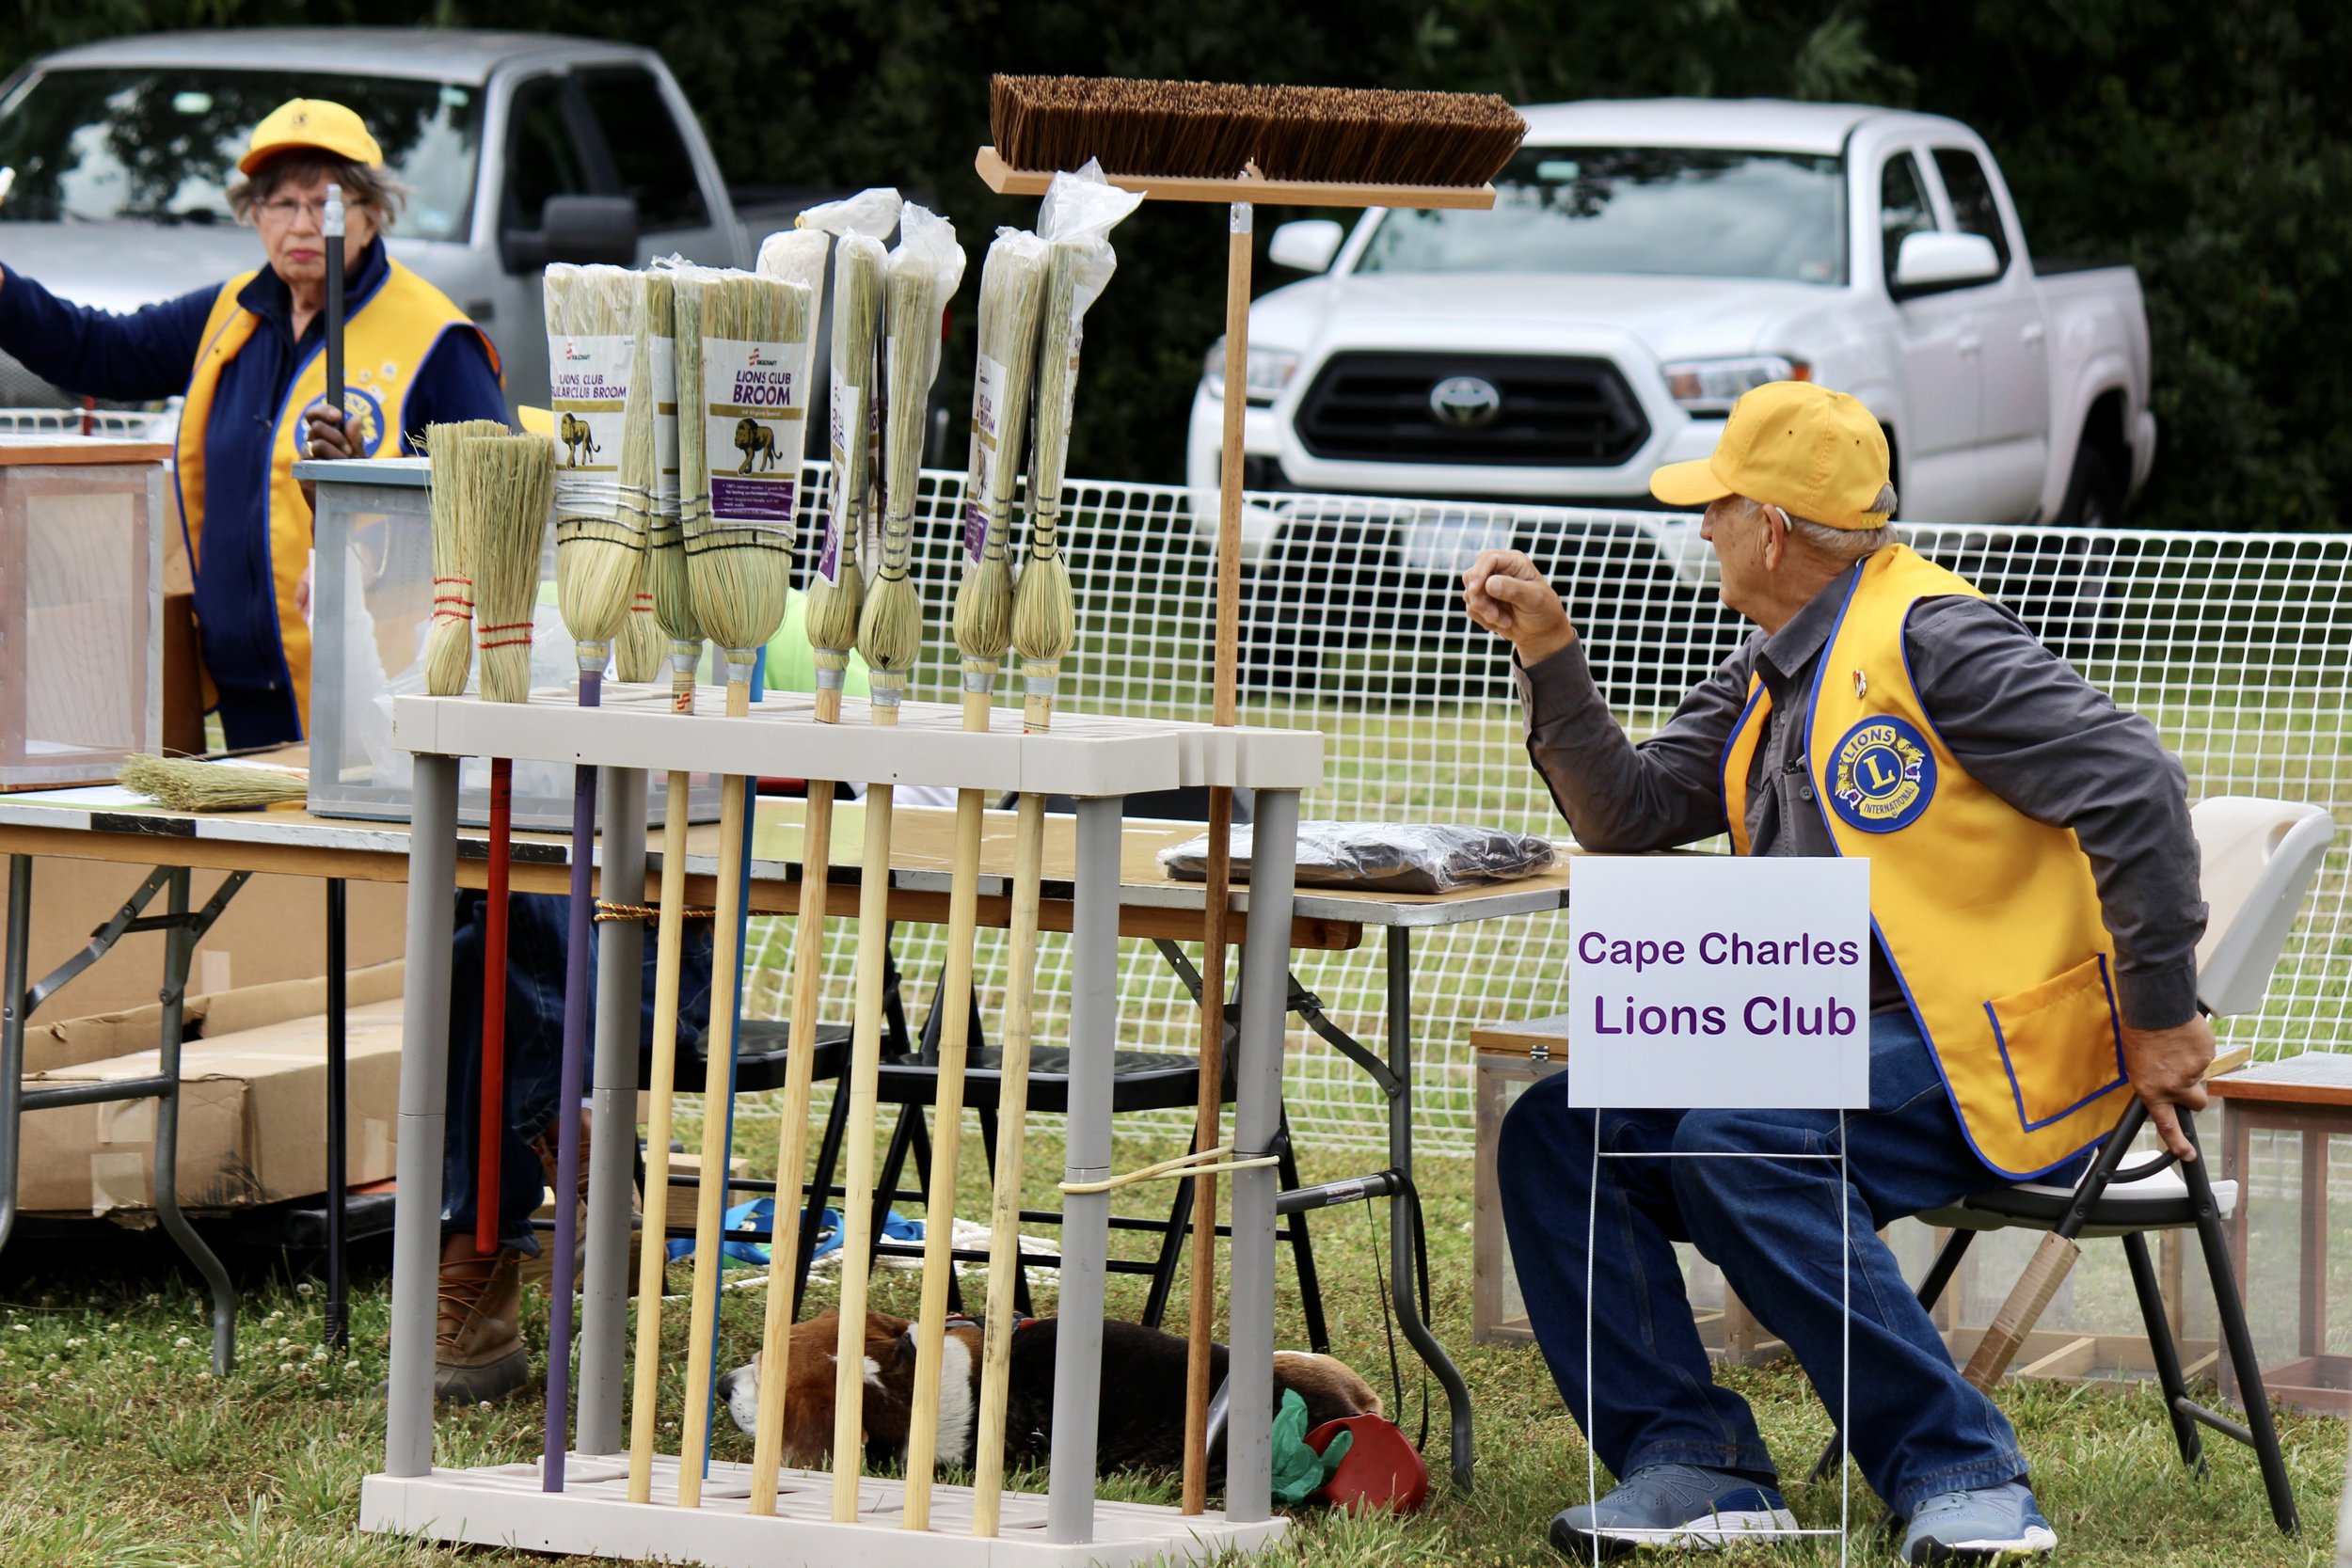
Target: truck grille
{"type": "Point", "coordinates": [1549, 413]}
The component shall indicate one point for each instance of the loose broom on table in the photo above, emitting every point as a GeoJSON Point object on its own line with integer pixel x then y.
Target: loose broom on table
{"type": "Point", "coordinates": [740, 345]}
{"type": "Point", "coordinates": [921, 277]}
{"type": "Point", "coordinates": [797, 257]}
{"type": "Point", "coordinates": [1076, 222]}
{"type": "Point", "coordinates": [1011, 282]}
{"type": "Point", "coordinates": [1192, 141]}
{"type": "Point", "coordinates": [593, 315]}
{"type": "Point", "coordinates": [653, 377]}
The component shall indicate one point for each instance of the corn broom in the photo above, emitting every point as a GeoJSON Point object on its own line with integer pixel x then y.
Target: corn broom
{"type": "Point", "coordinates": [192, 784]}
{"type": "Point", "coordinates": [449, 639]}
{"type": "Point", "coordinates": [922, 273]}
{"type": "Point", "coordinates": [836, 590]}
{"type": "Point", "coordinates": [508, 483]}
{"type": "Point", "coordinates": [742, 387]}
{"type": "Point", "coordinates": [1010, 282]}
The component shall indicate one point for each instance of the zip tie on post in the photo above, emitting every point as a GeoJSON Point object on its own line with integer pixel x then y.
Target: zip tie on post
{"type": "Point", "coordinates": [608, 912]}
{"type": "Point", "coordinates": [1183, 1167]}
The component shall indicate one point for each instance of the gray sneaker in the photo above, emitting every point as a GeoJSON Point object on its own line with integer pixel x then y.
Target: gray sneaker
{"type": "Point", "coordinates": [1992, 1524]}
{"type": "Point", "coordinates": [1680, 1507]}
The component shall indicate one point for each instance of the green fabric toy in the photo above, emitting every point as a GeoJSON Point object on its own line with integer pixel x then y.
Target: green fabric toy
{"type": "Point", "coordinates": [1300, 1472]}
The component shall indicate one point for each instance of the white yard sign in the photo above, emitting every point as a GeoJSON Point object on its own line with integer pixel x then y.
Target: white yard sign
{"type": "Point", "coordinates": [1720, 982]}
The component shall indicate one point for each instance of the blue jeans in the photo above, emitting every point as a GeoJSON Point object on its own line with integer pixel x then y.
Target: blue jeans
{"type": "Point", "coordinates": [536, 944]}
{"type": "Point", "coordinates": [1771, 1226]}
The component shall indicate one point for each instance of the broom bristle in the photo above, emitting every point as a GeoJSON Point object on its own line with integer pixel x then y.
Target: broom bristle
{"type": "Point", "coordinates": [890, 633]}
{"type": "Point", "coordinates": [449, 639]}
{"type": "Point", "coordinates": [837, 589]}
{"type": "Point", "coordinates": [1042, 614]}
{"type": "Point", "coordinates": [1211, 129]}
{"type": "Point", "coordinates": [665, 543]}
{"type": "Point", "coordinates": [1013, 283]}
{"type": "Point", "coordinates": [652, 411]}
{"type": "Point", "coordinates": [593, 315]}
{"type": "Point", "coordinates": [187, 785]}
{"type": "Point", "coordinates": [510, 483]}
{"type": "Point", "coordinates": [741, 383]}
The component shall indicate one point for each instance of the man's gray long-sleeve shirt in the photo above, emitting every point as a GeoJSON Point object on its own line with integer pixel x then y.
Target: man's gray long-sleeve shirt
{"type": "Point", "coordinates": [2020, 721]}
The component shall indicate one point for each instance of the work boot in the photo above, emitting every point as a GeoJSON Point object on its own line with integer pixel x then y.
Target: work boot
{"type": "Point", "coordinates": [478, 1345]}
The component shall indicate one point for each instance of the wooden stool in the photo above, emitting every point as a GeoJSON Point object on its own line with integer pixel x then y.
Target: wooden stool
{"type": "Point", "coordinates": [2310, 1094]}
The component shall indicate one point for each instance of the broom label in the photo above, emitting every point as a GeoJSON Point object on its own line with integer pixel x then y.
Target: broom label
{"type": "Point", "coordinates": [987, 395]}
{"type": "Point", "coordinates": [665, 462]}
{"type": "Point", "coordinates": [756, 391]}
{"type": "Point", "coordinates": [844, 420]}
{"type": "Point", "coordinates": [588, 389]}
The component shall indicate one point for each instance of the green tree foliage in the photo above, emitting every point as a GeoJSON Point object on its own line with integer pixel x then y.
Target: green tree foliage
{"type": "Point", "coordinates": [2190, 138]}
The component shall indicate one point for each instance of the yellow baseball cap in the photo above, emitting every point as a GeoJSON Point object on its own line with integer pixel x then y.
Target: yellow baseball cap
{"type": "Point", "coordinates": [311, 123]}
{"type": "Point", "coordinates": [1814, 453]}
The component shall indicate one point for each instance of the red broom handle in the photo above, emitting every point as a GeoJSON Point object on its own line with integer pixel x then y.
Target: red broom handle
{"type": "Point", "coordinates": [486, 1210]}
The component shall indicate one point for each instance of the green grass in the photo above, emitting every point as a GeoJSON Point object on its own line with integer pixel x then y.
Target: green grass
{"type": "Point", "coordinates": [120, 1449]}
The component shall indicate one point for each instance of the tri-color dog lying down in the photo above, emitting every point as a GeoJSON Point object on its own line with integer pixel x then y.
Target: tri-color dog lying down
{"type": "Point", "coordinates": [1142, 1399]}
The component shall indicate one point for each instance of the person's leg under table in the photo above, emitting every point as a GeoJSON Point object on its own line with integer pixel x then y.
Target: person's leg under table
{"type": "Point", "coordinates": [1774, 1228]}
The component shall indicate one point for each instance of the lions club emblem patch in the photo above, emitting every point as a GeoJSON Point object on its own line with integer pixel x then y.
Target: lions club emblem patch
{"type": "Point", "coordinates": [1883, 775]}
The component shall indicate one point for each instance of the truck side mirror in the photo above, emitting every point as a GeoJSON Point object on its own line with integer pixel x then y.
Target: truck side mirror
{"type": "Point", "coordinates": [1930, 263]}
{"type": "Point", "coordinates": [577, 229]}
{"type": "Point", "coordinates": [1307, 246]}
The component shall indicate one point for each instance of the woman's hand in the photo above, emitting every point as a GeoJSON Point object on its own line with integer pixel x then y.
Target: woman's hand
{"type": "Point", "coordinates": [1506, 594]}
{"type": "Point", "coordinates": [324, 431]}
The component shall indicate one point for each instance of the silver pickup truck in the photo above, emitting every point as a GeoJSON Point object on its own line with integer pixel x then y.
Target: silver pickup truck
{"type": "Point", "coordinates": [520, 149]}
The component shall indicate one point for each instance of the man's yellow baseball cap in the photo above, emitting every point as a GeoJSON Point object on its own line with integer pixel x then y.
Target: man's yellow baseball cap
{"type": "Point", "coordinates": [311, 123]}
{"type": "Point", "coordinates": [1814, 453]}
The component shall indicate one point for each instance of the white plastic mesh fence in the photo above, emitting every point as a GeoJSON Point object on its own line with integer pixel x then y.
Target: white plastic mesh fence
{"type": "Point", "coordinates": [2236, 645]}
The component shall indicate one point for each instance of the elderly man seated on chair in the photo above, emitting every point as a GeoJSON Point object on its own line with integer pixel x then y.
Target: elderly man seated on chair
{"type": "Point", "coordinates": [2034, 895]}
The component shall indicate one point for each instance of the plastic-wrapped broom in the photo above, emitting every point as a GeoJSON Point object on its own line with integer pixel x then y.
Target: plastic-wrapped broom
{"type": "Point", "coordinates": [449, 639]}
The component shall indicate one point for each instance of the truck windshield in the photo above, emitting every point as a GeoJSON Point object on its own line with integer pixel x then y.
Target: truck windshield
{"type": "Point", "coordinates": [161, 145]}
{"type": "Point", "coordinates": [1666, 210]}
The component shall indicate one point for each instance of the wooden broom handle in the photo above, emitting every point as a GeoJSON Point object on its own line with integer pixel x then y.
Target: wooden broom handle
{"type": "Point", "coordinates": [784, 1231]}
{"type": "Point", "coordinates": [857, 1181]}
{"type": "Point", "coordinates": [719, 1063]}
{"type": "Point", "coordinates": [1004, 1240]}
{"type": "Point", "coordinates": [652, 1248]}
{"type": "Point", "coordinates": [1208, 1118]}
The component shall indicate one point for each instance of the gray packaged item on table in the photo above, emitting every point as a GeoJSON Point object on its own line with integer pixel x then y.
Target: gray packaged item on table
{"type": "Point", "coordinates": [1385, 857]}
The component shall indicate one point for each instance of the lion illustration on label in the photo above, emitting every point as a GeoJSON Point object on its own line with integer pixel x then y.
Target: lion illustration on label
{"type": "Point", "coordinates": [757, 443]}
{"type": "Point", "coordinates": [577, 439]}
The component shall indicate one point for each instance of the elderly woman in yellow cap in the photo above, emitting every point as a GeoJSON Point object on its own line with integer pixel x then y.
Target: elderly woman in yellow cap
{"type": "Point", "coordinates": [249, 356]}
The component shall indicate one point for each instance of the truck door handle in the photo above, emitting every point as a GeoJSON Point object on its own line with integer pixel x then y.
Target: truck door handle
{"type": "Point", "coordinates": [1970, 342]}
{"type": "Point", "coordinates": [2032, 334]}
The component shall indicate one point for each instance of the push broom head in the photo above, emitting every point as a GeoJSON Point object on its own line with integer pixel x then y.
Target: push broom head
{"type": "Point", "coordinates": [742, 393]}
{"type": "Point", "coordinates": [837, 589]}
{"type": "Point", "coordinates": [1208, 130]}
{"type": "Point", "coordinates": [1076, 219]}
{"type": "Point", "coordinates": [600, 530]}
{"type": "Point", "coordinates": [922, 276]}
{"type": "Point", "coordinates": [448, 641]}
{"type": "Point", "coordinates": [193, 786]}
{"type": "Point", "coordinates": [1013, 283]}
{"type": "Point", "coordinates": [510, 482]}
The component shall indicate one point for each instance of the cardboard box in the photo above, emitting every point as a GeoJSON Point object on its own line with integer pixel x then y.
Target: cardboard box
{"type": "Point", "coordinates": [253, 1100]}
{"type": "Point", "coordinates": [274, 929]}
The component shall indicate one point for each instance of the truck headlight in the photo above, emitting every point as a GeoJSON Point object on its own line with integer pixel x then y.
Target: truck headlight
{"type": "Point", "coordinates": [1712, 386]}
{"type": "Point", "coordinates": [1270, 370]}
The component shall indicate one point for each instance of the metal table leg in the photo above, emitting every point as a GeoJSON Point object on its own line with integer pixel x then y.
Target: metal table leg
{"type": "Point", "coordinates": [1402, 1216]}
{"type": "Point", "coordinates": [179, 945]}
{"type": "Point", "coordinates": [338, 1117]}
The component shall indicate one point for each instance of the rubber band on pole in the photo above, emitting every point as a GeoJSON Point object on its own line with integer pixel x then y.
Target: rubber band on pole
{"type": "Point", "coordinates": [1207, 1162]}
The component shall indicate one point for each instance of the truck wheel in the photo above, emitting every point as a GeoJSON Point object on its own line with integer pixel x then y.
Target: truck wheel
{"type": "Point", "coordinates": [2084, 587]}
{"type": "Point", "coordinates": [2094, 493]}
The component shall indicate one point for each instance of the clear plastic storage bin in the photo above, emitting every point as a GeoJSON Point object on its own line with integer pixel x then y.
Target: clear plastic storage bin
{"type": "Point", "coordinates": [80, 607]}
{"type": "Point", "coordinates": [373, 603]}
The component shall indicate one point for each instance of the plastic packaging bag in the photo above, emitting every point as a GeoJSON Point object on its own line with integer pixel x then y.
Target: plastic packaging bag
{"type": "Point", "coordinates": [1385, 857]}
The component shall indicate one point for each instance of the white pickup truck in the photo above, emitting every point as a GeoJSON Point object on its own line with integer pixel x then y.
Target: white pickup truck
{"type": "Point", "coordinates": [1645, 263]}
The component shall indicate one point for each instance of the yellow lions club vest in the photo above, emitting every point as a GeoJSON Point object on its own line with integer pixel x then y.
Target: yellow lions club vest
{"type": "Point", "coordinates": [386, 339]}
{"type": "Point", "coordinates": [1990, 918]}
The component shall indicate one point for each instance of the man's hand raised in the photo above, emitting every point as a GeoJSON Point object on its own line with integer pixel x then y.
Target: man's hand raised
{"type": "Point", "coordinates": [2167, 1067]}
{"type": "Point", "coordinates": [1506, 594]}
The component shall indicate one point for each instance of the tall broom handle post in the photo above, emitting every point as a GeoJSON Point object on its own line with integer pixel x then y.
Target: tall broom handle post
{"type": "Point", "coordinates": [1199, 1329]}
{"type": "Point", "coordinates": [569, 1083]}
{"type": "Point", "coordinates": [783, 1243]}
{"type": "Point", "coordinates": [331, 231]}
{"type": "Point", "coordinates": [857, 1200]}
{"type": "Point", "coordinates": [494, 908]}
{"type": "Point", "coordinates": [652, 1251]}
{"type": "Point", "coordinates": [711, 1180]}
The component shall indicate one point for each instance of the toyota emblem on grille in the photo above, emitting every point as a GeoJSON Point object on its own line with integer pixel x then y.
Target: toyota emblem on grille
{"type": "Point", "coordinates": [1465, 402]}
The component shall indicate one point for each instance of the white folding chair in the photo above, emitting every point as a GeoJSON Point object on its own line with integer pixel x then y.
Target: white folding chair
{"type": "Point", "coordinates": [2258, 859]}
